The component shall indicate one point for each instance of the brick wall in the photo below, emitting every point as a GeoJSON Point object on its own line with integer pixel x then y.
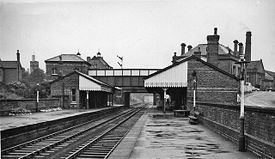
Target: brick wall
{"type": "Point", "coordinates": [65, 68]}
{"type": "Point", "coordinates": [259, 125]}
{"type": "Point", "coordinates": [212, 85]}
{"type": "Point", "coordinates": [70, 83]}
{"type": "Point", "coordinates": [6, 106]}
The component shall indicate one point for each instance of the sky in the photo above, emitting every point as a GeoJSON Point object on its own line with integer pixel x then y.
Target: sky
{"type": "Point", "coordinates": [145, 32]}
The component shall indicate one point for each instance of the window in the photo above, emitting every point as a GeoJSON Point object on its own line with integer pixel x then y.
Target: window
{"type": "Point", "coordinates": [234, 70]}
{"type": "Point", "coordinates": [73, 95]}
{"type": "Point", "coordinates": [54, 71]}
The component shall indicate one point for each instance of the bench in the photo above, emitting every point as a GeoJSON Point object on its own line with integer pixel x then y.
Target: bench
{"type": "Point", "coordinates": [181, 113]}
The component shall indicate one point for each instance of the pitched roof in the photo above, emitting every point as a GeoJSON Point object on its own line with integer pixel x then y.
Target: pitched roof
{"type": "Point", "coordinates": [268, 77]}
{"type": "Point", "coordinates": [258, 65]}
{"type": "Point", "coordinates": [270, 73]}
{"type": "Point", "coordinates": [198, 59]}
{"type": "Point", "coordinates": [83, 75]}
{"type": "Point", "coordinates": [99, 59]}
{"type": "Point", "coordinates": [222, 50]}
{"type": "Point", "coordinates": [8, 64]}
{"type": "Point", "coordinates": [66, 57]}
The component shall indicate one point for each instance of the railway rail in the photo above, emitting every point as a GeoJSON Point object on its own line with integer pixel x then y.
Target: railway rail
{"type": "Point", "coordinates": [66, 141]}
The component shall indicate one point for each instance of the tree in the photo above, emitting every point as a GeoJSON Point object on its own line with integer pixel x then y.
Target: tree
{"type": "Point", "coordinates": [37, 76]}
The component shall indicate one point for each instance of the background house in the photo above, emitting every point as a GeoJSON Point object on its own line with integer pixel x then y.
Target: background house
{"type": "Point", "coordinates": [64, 64]}
{"type": "Point", "coordinates": [11, 70]}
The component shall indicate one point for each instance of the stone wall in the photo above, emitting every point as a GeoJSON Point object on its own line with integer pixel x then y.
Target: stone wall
{"type": "Point", "coordinates": [259, 125]}
{"type": "Point", "coordinates": [8, 105]}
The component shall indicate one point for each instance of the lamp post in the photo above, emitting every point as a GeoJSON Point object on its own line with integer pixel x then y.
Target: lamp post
{"type": "Point", "coordinates": [37, 97]}
{"type": "Point", "coordinates": [194, 74]}
{"type": "Point", "coordinates": [242, 62]}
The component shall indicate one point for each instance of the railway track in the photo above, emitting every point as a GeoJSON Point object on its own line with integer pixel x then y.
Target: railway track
{"type": "Point", "coordinates": [57, 144]}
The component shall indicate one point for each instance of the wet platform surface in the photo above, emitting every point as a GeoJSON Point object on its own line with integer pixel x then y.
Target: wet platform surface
{"type": "Point", "coordinates": [163, 137]}
{"type": "Point", "coordinates": [8, 122]}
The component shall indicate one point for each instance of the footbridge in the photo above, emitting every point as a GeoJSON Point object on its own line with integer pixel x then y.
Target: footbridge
{"type": "Point", "coordinates": [130, 80]}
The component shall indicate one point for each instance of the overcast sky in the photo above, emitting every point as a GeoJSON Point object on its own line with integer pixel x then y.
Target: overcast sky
{"type": "Point", "coordinates": [144, 32]}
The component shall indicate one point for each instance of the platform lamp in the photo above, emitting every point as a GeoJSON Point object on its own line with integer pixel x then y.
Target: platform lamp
{"type": "Point", "coordinates": [37, 97]}
{"type": "Point", "coordinates": [242, 62]}
{"type": "Point", "coordinates": [194, 74]}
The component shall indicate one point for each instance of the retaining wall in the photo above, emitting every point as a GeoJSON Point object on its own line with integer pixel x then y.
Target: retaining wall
{"type": "Point", "coordinates": [259, 125]}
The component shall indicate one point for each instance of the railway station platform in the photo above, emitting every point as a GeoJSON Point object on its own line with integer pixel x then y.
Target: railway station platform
{"type": "Point", "coordinates": [155, 136]}
{"type": "Point", "coordinates": [9, 122]}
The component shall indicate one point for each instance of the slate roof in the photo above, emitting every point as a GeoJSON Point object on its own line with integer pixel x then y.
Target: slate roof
{"type": "Point", "coordinates": [96, 61]}
{"type": "Point", "coordinates": [257, 65]}
{"type": "Point", "coordinates": [198, 59]}
{"type": "Point", "coordinates": [223, 50]}
{"type": "Point", "coordinates": [83, 75]}
{"type": "Point", "coordinates": [268, 76]}
{"type": "Point", "coordinates": [270, 73]}
{"type": "Point", "coordinates": [66, 57]}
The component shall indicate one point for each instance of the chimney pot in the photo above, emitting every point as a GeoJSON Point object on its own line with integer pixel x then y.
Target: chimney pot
{"type": "Point", "coordinates": [215, 31]}
{"type": "Point", "coordinates": [183, 48]}
{"type": "Point", "coordinates": [189, 47]}
{"type": "Point", "coordinates": [18, 56]}
{"type": "Point", "coordinates": [235, 47]}
{"type": "Point", "coordinates": [240, 48]}
{"type": "Point", "coordinates": [98, 54]}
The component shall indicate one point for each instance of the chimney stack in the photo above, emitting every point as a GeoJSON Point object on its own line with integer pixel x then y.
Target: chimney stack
{"type": "Point", "coordinates": [33, 57]}
{"type": "Point", "coordinates": [240, 48]}
{"type": "Point", "coordinates": [248, 46]}
{"type": "Point", "coordinates": [212, 48]}
{"type": "Point", "coordinates": [189, 47]}
{"type": "Point", "coordinates": [183, 48]}
{"type": "Point", "coordinates": [215, 31]}
{"type": "Point", "coordinates": [18, 56]}
{"type": "Point", "coordinates": [174, 58]}
{"type": "Point", "coordinates": [88, 58]}
{"type": "Point", "coordinates": [235, 47]}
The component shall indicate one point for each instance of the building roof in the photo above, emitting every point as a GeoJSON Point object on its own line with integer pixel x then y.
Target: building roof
{"type": "Point", "coordinates": [85, 76]}
{"type": "Point", "coordinates": [98, 61]}
{"type": "Point", "coordinates": [222, 50]}
{"type": "Point", "coordinates": [66, 57]}
{"type": "Point", "coordinates": [8, 64]}
{"type": "Point", "coordinates": [268, 77]}
{"type": "Point", "coordinates": [270, 73]}
{"type": "Point", "coordinates": [256, 65]}
{"type": "Point", "coordinates": [189, 58]}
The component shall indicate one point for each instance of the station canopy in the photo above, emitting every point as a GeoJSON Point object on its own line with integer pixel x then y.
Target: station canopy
{"type": "Point", "coordinates": [172, 76]}
{"type": "Point", "coordinates": [87, 83]}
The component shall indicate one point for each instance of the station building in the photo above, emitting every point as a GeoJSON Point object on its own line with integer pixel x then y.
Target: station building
{"type": "Point", "coordinates": [78, 90]}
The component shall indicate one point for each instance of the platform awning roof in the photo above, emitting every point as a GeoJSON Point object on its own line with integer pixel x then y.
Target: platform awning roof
{"type": "Point", "coordinates": [87, 83]}
{"type": "Point", "coordinates": [171, 76]}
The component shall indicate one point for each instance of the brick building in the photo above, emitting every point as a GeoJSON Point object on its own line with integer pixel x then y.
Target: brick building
{"type": "Point", "coordinates": [215, 53]}
{"type": "Point", "coordinates": [11, 70]}
{"type": "Point", "coordinates": [269, 82]}
{"type": "Point", "coordinates": [33, 64]}
{"type": "Point", "coordinates": [211, 83]}
{"type": "Point", "coordinates": [64, 64]}
{"type": "Point", "coordinates": [256, 73]}
{"type": "Point", "coordinates": [97, 62]}
{"type": "Point", "coordinates": [78, 90]}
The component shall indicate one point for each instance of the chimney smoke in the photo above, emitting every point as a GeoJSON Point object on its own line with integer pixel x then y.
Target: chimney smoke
{"type": "Point", "coordinates": [33, 57]}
